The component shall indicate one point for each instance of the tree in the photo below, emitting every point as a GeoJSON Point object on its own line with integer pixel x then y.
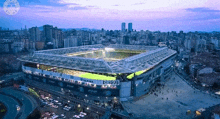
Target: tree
{"type": "Point", "coordinates": [215, 85]}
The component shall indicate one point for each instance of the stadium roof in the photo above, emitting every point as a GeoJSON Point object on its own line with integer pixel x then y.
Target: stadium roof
{"type": "Point", "coordinates": [57, 57]}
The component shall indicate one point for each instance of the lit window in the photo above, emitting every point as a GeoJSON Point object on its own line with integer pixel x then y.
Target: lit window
{"type": "Point", "coordinates": [66, 80]}
{"type": "Point", "coordinates": [104, 86]}
{"type": "Point", "coordinates": [86, 84]}
{"type": "Point", "coordinates": [113, 87]}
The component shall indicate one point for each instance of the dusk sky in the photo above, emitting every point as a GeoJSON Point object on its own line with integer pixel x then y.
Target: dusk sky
{"type": "Point", "coordinates": [153, 15]}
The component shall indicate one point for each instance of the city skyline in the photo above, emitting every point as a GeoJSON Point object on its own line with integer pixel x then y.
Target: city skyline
{"type": "Point", "coordinates": [145, 15]}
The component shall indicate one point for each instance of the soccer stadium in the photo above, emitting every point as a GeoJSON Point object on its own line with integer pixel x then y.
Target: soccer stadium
{"type": "Point", "coordinates": [122, 71]}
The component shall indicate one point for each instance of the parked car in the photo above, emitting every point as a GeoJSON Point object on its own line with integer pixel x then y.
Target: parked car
{"type": "Point", "coordinates": [81, 115]}
{"type": "Point", "coordinates": [77, 117]}
{"type": "Point", "coordinates": [67, 108]}
{"type": "Point", "coordinates": [59, 103]}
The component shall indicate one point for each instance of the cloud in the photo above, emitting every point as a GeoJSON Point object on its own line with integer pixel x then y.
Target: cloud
{"type": "Point", "coordinates": [129, 5]}
{"type": "Point", "coordinates": [141, 3]}
{"type": "Point", "coordinates": [79, 8]}
{"type": "Point", "coordinates": [201, 9]}
{"type": "Point", "coordinates": [202, 14]}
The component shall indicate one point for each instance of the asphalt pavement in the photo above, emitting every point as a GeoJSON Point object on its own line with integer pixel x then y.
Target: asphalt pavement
{"type": "Point", "coordinates": [29, 103]}
{"type": "Point", "coordinates": [10, 104]}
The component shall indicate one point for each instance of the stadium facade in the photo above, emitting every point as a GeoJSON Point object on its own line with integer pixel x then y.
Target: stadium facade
{"type": "Point", "coordinates": [121, 71]}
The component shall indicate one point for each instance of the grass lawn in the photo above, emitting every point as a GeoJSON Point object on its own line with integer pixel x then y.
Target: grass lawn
{"type": "Point", "coordinates": [96, 76]}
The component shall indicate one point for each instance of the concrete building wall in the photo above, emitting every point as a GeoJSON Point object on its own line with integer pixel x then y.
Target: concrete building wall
{"type": "Point", "coordinates": [160, 73]}
{"type": "Point", "coordinates": [125, 90]}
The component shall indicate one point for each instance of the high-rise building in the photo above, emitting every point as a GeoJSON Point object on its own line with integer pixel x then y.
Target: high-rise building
{"type": "Point", "coordinates": [47, 33]}
{"type": "Point", "coordinates": [55, 37]}
{"type": "Point", "coordinates": [130, 27]}
{"type": "Point", "coordinates": [123, 26]}
{"type": "Point", "coordinates": [34, 34]}
{"type": "Point", "coordinates": [60, 39]}
{"type": "Point", "coordinates": [126, 40]}
{"type": "Point", "coordinates": [70, 41]}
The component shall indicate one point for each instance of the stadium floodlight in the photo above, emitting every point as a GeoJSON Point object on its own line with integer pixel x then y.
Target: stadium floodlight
{"type": "Point", "coordinates": [109, 49]}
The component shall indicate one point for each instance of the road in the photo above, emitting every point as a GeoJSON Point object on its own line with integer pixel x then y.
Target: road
{"type": "Point", "coordinates": [12, 75]}
{"type": "Point", "coordinates": [29, 103]}
{"type": "Point", "coordinates": [10, 104]}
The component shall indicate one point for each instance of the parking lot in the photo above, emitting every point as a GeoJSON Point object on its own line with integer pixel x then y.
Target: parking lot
{"type": "Point", "coordinates": [97, 107]}
{"type": "Point", "coordinates": [54, 107]}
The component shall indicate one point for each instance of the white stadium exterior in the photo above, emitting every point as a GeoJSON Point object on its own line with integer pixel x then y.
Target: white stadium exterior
{"type": "Point", "coordinates": [122, 71]}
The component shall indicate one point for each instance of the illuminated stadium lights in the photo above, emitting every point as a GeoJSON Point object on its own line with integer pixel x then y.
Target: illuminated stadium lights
{"type": "Point", "coordinates": [29, 72]}
{"type": "Point", "coordinates": [109, 49]}
{"type": "Point", "coordinates": [79, 82]}
{"type": "Point", "coordinates": [104, 86]}
{"type": "Point", "coordinates": [36, 73]}
{"type": "Point", "coordinates": [72, 81]}
{"type": "Point", "coordinates": [67, 80]}
{"type": "Point", "coordinates": [86, 84]}
{"type": "Point", "coordinates": [113, 87]}
{"type": "Point", "coordinates": [109, 85]}
{"type": "Point", "coordinates": [92, 85]}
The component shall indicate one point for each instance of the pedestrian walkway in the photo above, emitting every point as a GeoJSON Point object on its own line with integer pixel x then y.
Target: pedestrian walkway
{"type": "Point", "coordinates": [211, 94]}
{"type": "Point", "coordinates": [171, 101]}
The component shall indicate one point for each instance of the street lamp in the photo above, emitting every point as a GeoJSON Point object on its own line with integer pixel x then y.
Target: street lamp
{"type": "Point", "coordinates": [87, 108]}
{"type": "Point", "coordinates": [78, 105]}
